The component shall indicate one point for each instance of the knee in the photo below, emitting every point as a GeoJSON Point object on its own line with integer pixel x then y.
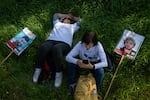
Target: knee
{"type": "Point", "coordinates": [100, 72]}
{"type": "Point", "coordinates": [70, 65]}
{"type": "Point", "coordinates": [43, 48]}
{"type": "Point", "coordinates": [57, 51]}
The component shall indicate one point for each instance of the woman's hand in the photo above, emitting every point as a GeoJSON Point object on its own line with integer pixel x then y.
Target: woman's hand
{"type": "Point", "coordinates": [85, 66]}
{"type": "Point", "coordinates": [70, 16]}
{"type": "Point", "coordinates": [89, 65]}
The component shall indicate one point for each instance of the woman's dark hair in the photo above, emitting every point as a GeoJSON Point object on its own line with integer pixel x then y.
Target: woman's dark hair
{"type": "Point", "coordinates": [71, 21]}
{"type": "Point", "coordinates": [88, 37]}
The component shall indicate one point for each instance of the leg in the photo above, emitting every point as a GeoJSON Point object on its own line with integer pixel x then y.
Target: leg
{"type": "Point", "coordinates": [71, 72]}
{"type": "Point", "coordinates": [51, 64]}
{"type": "Point", "coordinates": [42, 53]}
{"type": "Point", "coordinates": [99, 75]}
{"type": "Point", "coordinates": [72, 76]}
{"type": "Point", "coordinates": [58, 51]}
{"type": "Point", "coordinates": [41, 57]}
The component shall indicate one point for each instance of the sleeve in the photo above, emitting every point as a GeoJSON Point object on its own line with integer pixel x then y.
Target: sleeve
{"type": "Point", "coordinates": [76, 25]}
{"type": "Point", "coordinates": [55, 18]}
{"type": "Point", "coordinates": [71, 56]}
{"type": "Point", "coordinates": [78, 20]}
{"type": "Point", "coordinates": [102, 55]}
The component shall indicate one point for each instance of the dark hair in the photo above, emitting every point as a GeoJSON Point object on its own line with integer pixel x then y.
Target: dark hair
{"type": "Point", "coordinates": [71, 20]}
{"type": "Point", "coordinates": [87, 38]}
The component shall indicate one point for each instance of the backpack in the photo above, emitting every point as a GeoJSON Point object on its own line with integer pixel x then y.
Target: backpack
{"type": "Point", "coordinates": [48, 72]}
{"type": "Point", "coordinates": [86, 88]}
{"type": "Point", "coordinates": [109, 57]}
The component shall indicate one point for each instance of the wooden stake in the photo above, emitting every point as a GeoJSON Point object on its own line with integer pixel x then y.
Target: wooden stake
{"type": "Point", "coordinates": [113, 77]}
{"type": "Point", "coordinates": [7, 57]}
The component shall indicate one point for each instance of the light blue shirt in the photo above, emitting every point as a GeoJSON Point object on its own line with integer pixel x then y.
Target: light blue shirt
{"type": "Point", "coordinates": [92, 54]}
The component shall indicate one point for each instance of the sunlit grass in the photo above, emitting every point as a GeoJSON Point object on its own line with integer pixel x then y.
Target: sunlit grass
{"type": "Point", "coordinates": [107, 19]}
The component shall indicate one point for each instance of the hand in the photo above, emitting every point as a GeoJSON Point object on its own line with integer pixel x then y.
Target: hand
{"type": "Point", "coordinates": [60, 15]}
{"type": "Point", "coordinates": [79, 63]}
{"type": "Point", "coordinates": [85, 66]}
{"type": "Point", "coordinates": [89, 65]}
{"type": "Point", "coordinates": [74, 18]}
{"type": "Point", "coordinates": [70, 16]}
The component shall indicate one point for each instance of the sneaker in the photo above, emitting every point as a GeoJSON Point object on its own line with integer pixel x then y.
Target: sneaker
{"type": "Point", "coordinates": [36, 74]}
{"type": "Point", "coordinates": [58, 79]}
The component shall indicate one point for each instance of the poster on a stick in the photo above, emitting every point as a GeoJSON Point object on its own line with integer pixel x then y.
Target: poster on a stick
{"type": "Point", "coordinates": [21, 41]}
{"type": "Point", "coordinates": [129, 44]}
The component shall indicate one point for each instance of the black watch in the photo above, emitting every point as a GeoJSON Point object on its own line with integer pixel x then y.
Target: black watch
{"type": "Point", "coordinates": [93, 66]}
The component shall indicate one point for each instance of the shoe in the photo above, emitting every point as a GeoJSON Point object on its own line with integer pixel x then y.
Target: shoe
{"type": "Point", "coordinates": [36, 74]}
{"type": "Point", "coordinates": [58, 79]}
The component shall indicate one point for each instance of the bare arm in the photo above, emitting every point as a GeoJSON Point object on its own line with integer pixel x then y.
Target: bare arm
{"type": "Point", "coordinates": [76, 18]}
{"type": "Point", "coordinates": [60, 15]}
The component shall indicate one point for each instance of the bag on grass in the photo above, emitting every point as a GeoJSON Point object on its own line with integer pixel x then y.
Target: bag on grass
{"type": "Point", "coordinates": [110, 67]}
{"type": "Point", "coordinates": [46, 72]}
{"type": "Point", "coordinates": [86, 88]}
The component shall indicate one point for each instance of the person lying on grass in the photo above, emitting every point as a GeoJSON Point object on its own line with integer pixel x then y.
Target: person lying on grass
{"type": "Point", "coordinates": [57, 45]}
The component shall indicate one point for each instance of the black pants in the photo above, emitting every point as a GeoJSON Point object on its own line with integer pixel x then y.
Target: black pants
{"type": "Point", "coordinates": [53, 52]}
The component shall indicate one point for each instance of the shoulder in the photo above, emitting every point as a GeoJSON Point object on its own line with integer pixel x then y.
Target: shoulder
{"type": "Point", "coordinates": [79, 43]}
{"type": "Point", "coordinates": [99, 44]}
{"type": "Point", "coordinates": [56, 21]}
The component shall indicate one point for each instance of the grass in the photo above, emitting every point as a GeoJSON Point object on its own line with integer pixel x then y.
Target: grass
{"type": "Point", "coordinates": [108, 18]}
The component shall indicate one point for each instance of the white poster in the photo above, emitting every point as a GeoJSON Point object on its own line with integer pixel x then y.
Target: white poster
{"type": "Point", "coordinates": [21, 41]}
{"type": "Point", "coordinates": [129, 44]}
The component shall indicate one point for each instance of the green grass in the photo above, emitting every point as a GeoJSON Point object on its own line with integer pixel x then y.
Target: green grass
{"type": "Point", "coordinates": [108, 18]}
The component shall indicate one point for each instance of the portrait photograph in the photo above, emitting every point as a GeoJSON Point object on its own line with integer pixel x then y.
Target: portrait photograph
{"type": "Point", "coordinates": [129, 44]}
